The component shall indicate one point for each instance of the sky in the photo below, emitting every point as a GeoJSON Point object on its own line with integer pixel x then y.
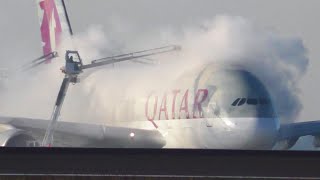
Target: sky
{"type": "Point", "coordinates": [20, 38]}
{"type": "Point", "coordinates": [125, 21]}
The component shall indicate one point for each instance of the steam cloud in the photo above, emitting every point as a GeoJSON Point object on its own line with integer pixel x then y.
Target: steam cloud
{"type": "Point", "coordinates": [278, 61]}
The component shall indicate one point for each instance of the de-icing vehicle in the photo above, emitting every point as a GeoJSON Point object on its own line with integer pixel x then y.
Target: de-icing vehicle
{"type": "Point", "coordinates": [74, 67]}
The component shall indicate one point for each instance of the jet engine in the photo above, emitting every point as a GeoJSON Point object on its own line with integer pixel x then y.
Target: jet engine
{"type": "Point", "coordinates": [13, 137]}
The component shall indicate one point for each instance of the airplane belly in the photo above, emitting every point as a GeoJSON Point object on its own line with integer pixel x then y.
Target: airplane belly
{"type": "Point", "coordinates": [216, 133]}
{"type": "Point", "coordinates": [194, 134]}
{"type": "Point", "coordinates": [242, 133]}
{"type": "Point", "coordinates": [237, 133]}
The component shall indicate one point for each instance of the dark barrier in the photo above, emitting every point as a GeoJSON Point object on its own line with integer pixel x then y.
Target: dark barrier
{"type": "Point", "coordinates": [159, 162]}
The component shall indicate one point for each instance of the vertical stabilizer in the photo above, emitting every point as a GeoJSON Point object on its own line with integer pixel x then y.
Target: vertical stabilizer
{"type": "Point", "coordinates": [54, 24]}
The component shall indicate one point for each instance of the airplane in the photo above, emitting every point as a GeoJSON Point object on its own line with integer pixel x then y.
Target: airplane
{"type": "Point", "coordinates": [209, 107]}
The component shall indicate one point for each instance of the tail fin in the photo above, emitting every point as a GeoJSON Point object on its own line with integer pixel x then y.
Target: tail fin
{"type": "Point", "coordinates": [54, 24]}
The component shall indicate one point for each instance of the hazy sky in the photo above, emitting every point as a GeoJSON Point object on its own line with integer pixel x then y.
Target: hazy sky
{"type": "Point", "coordinates": [20, 35]}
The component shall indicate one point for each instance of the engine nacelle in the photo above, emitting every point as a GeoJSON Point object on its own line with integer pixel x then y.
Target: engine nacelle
{"type": "Point", "coordinates": [286, 143]}
{"type": "Point", "coordinates": [316, 141]}
{"type": "Point", "coordinates": [13, 137]}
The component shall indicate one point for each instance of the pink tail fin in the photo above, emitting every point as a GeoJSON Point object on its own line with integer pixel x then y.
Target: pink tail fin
{"type": "Point", "coordinates": [53, 24]}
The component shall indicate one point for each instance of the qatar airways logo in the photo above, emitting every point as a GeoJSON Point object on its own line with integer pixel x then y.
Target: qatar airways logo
{"type": "Point", "coordinates": [175, 105]}
{"type": "Point", "coordinates": [50, 26]}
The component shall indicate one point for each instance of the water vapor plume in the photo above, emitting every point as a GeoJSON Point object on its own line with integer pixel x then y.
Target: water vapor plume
{"type": "Point", "coordinates": [278, 61]}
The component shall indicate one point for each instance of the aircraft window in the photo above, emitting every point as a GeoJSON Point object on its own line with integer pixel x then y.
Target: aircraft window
{"type": "Point", "coordinates": [252, 101]}
{"type": "Point", "coordinates": [235, 102]}
{"type": "Point", "coordinates": [242, 101]}
{"type": "Point", "coordinates": [263, 101]}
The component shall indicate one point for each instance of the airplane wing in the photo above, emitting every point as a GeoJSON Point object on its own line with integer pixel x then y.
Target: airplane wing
{"type": "Point", "coordinates": [290, 133]}
{"type": "Point", "coordinates": [71, 134]}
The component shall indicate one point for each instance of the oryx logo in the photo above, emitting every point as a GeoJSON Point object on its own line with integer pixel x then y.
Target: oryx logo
{"type": "Point", "coordinates": [50, 26]}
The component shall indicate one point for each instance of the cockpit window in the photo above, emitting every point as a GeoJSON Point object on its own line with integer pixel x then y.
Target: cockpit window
{"type": "Point", "coordinates": [242, 101]}
{"type": "Point", "coordinates": [250, 101]}
{"type": "Point", "coordinates": [249, 106]}
{"type": "Point", "coordinates": [235, 102]}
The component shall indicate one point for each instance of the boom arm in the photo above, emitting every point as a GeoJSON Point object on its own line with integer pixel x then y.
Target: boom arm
{"type": "Point", "coordinates": [130, 56]}
{"type": "Point", "coordinates": [48, 138]}
{"type": "Point", "coordinates": [40, 60]}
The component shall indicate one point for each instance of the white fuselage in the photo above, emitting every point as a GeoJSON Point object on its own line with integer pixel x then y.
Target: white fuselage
{"type": "Point", "coordinates": [213, 109]}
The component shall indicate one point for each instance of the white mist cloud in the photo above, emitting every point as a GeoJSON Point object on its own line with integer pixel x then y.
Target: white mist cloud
{"type": "Point", "coordinates": [278, 61]}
